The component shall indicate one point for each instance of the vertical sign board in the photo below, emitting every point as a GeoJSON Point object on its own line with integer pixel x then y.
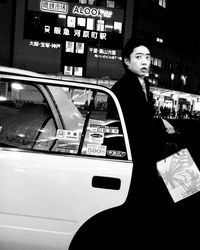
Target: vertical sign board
{"type": "Point", "coordinates": [104, 62]}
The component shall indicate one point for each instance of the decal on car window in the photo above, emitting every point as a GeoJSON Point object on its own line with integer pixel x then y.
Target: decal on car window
{"type": "Point", "coordinates": [53, 118]}
{"type": "Point", "coordinates": [96, 149]}
{"type": "Point", "coordinates": [67, 135]}
{"type": "Point", "coordinates": [103, 128]}
{"type": "Point", "coordinates": [96, 137]}
{"type": "Point", "coordinates": [116, 153]}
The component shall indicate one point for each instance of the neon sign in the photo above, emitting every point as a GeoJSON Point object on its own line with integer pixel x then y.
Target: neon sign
{"type": "Point", "coordinates": [94, 12]}
{"type": "Point", "coordinates": [54, 7]}
{"type": "Point", "coordinates": [109, 54]}
{"type": "Point", "coordinates": [66, 32]}
{"type": "Point", "coordinates": [46, 45]}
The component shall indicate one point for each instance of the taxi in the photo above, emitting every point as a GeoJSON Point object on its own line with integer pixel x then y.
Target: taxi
{"type": "Point", "coordinates": [63, 160]}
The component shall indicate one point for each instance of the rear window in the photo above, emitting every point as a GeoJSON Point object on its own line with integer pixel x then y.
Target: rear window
{"type": "Point", "coordinates": [57, 119]}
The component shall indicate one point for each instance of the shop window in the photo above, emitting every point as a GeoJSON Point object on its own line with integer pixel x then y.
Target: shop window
{"type": "Point", "coordinates": [69, 47]}
{"type": "Point", "coordinates": [68, 70]}
{"type": "Point", "coordinates": [80, 48]}
{"type": "Point", "coordinates": [118, 27]}
{"type": "Point", "coordinates": [90, 24]}
{"type": "Point", "coordinates": [78, 71]}
{"type": "Point", "coordinates": [71, 21]}
{"type": "Point", "coordinates": [81, 21]}
{"type": "Point", "coordinates": [100, 25]}
{"type": "Point", "coordinates": [110, 4]}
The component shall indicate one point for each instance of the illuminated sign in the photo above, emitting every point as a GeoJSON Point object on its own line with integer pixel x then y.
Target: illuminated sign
{"type": "Point", "coordinates": [94, 12]}
{"type": "Point", "coordinates": [46, 45]}
{"type": "Point", "coordinates": [54, 7]}
{"type": "Point", "coordinates": [109, 54]}
{"type": "Point", "coordinates": [76, 33]}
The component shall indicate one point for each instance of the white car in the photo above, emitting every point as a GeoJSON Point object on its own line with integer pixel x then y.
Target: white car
{"type": "Point", "coordinates": [63, 160]}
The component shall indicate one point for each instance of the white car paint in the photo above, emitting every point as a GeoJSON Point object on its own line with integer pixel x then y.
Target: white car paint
{"type": "Point", "coordinates": [46, 197]}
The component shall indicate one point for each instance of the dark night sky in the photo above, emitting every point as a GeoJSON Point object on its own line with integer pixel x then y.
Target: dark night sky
{"type": "Point", "coordinates": [183, 24]}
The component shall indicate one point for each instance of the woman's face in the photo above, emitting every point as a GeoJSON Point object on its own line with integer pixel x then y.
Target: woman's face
{"type": "Point", "coordinates": [139, 61]}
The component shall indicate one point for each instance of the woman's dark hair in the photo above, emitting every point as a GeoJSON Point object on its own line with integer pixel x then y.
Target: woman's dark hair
{"type": "Point", "coordinates": [130, 45]}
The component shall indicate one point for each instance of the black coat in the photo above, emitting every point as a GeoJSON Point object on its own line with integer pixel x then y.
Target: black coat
{"type": "Point", "coordinates": [138, 113]}
{"type": "Point", "coordinates": [145, 134]}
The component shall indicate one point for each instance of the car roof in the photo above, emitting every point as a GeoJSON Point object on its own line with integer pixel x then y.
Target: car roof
{"type": "Point", "coordinates": [22, 72]}
{"type": "Point", "coordinates": [29, 73]}
{"type": "Point", "coordinates": [57, 79]}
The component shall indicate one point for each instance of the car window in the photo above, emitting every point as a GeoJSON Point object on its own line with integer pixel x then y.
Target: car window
{"type": "Point", "coordinates": [103, 135]}
{"type": "Point", "coordinates": [24, 115]}
{"type": "Point", "coordinates": [59, 119]}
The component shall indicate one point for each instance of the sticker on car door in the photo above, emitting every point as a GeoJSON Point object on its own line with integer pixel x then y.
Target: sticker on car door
{"type": "Point", "coordinates": [96, 149]}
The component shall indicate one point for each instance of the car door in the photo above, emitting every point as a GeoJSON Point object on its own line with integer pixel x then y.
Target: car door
{"type": "Point", "coordinates": [62, 159]}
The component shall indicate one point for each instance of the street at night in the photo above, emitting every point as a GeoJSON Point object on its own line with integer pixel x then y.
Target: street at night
{"type": "Point", "coordinates": [99, 124]}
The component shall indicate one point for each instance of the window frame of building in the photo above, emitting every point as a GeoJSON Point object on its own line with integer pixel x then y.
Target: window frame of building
{"type": "Point", "coordinates": [68, 70]}
{"type": "Point", "coordinates": [61, 21]}
{"type": "Point", "coordinates": [115, 27]}
{"type": "Point", "coordinates": [159, 40]}
{"type": "Point", "coordinates": [78, 71]}
{"type": "Point", "coordinates": [109, 27]}
{"type": "Point", "coordinates": [110, 4]}
{"type": "Point", "coordinates": [79, 50]}
{"type": "Point", "coordinates": [162, 3]}
{"type": "Point", "coordinates": [82, 1]}
{"type": "Point", "coordinates": [100, 25]}
{"type": "Point", "coordinates": [71, 21]}
{"type": "Point", "coordinates": [81, 22]}
{"type": "Point", "coordinates": [69, 46]}
{"type": "Point", "coordinates": [92, 2]}
{"type": "Point", "coordinates": [156, 62]}
{"type": "Point", "coordinates": [90, 26]}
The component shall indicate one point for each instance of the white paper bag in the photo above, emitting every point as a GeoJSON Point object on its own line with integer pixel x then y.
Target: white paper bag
{"type": "Point", "coordinates": [180, 174]}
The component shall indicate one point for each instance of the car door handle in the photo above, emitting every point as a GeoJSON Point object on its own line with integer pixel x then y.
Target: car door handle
{"type": "Point", "coordinates": [106, 182]}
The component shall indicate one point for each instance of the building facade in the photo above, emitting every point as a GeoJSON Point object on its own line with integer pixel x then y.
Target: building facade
{"type": "Point", "coordinates": [171, 67]}
{"type": "Point", "coordinates": [85, 38]}
{"type": "Point", "coordinates": [7, 18]}
{"type": "Point", "coordinates": [79, 38]}
{"type": "Point", "coordinates": [174, 45]}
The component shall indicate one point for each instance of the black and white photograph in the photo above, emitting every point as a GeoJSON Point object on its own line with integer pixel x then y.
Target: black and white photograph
{"type": "Point", "coordinates": [99, 124]}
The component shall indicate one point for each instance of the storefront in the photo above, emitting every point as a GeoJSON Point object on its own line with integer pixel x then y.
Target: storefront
{"type": "Point", "coordinates": [174, 103]}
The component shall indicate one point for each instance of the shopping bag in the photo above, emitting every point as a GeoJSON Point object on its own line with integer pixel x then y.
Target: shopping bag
{"type": "Point", "coordinates": [180, 174]}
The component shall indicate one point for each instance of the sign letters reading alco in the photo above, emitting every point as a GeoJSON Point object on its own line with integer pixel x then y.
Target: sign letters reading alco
{"type": "Point", "coordinates": [86, 11]}
{"type": "Point", "coordinates": [54, 7]}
